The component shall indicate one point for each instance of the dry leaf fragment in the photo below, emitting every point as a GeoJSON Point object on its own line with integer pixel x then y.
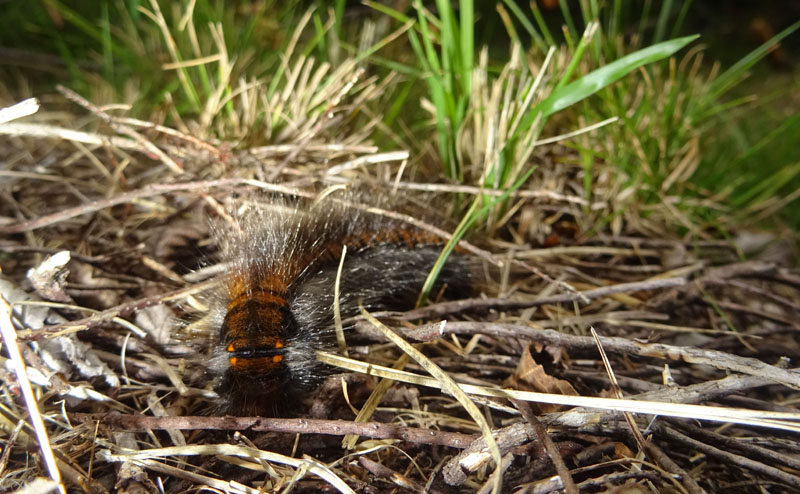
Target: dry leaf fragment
{"type": "Point", "coordinates": [531, 376]}
{"type": "Point", "coordinates": [157, 321]}
{"type": "Point", "coordinates": [61, 354]}
{"type": "Point", "coordinates": [49, 277]}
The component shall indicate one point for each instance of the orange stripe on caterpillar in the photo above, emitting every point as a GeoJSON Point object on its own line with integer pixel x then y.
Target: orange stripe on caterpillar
{"type": "Point", "coordinates": [239, 345]}
{"type": "Point", "coordinates": [260, 365]}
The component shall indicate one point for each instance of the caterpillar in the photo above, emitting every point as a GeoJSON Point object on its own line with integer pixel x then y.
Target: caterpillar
{"type": "Point", "coordinates": [276, 309]}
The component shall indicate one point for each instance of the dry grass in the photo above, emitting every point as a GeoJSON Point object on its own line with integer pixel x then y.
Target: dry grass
{"type": "Point", "coordinates": [689, 330]}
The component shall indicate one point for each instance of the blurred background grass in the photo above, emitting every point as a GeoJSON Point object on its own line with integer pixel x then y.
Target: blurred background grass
{"type": "Point", "coordinates": [705, 144]}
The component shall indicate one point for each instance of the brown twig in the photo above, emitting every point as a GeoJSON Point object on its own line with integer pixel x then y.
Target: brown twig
{"type": "Point", "coordinates": [544, 438]}
{"type": "Point", "coordinates": [761, 314]}
{"type": "Point", "coordinates": [482, 305]}
{"type": "Point", "coordinates": [476, 455]}
{"type": "Point", "coordinates": [734, 459]}
{"type": "Point", "coordinates": [745, 447]}
{"type": "Point", "coordinates": [668, 464]}
{"type": "Point", "coordinates": [149, 191]}
{"type": "Point", "coordinates": [294, 426]}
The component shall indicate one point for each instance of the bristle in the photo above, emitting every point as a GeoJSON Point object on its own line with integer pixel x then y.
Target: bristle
{"type": "Point", "coordinates": [278, 303]}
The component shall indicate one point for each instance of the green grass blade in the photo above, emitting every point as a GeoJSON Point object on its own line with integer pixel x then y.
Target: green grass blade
{"type": "Point", "coordinates": [394, 14]}
{"type": "Point", "coordinates": [430, 54]}
{"type": "Point", "coordinates": [509, 24]}
{"type": "Point", "coordinates": [466, 31]}
{"type": "Point", "coordinates": [645, 17]}
{"type": "Point", "coordinates": [473, 215]}
{"type": "Point", "coordinates": [769, 186]}
{"type": "Point", "coordinates": [571, 30]}
{"type": "Point", "coordinates": [385, 41]}
{"type": "Point", "coordinates": [74, 18]}
{"type": "Point", "coordinates": [768, 139]}
{"type": "Point", "coordinates": [398, 67]}
{"type": "Point", "coordinates": [677, 26]}
{"type": "Point", "coordinates": [526, 24]}
{"type": "Point", "coordinates": [338, 11]}
{"type": "Point", "coordinates": [548, 36]}
{"type": "Point", "coordinates": [736, 73]}
{"type": "Point", "coordinates": [448, 43]}
{"type": "Point", "coordinates": [663, 18]}
{"type": "Point", "coordinates": [614, 20]}
{"type": "Point", "coordinates": [602, 77]}
{"type": "Point", "coordinates": [591, 28]}
{"type": "Point", "coordinates": [107, 44]}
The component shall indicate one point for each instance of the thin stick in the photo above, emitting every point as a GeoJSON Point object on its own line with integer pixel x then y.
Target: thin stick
{"type": "Point", "coordinates": [149, 191]}
{"type": "Point", "coordinates": [10, 339]}
{"type": "Point", "coordinates": [742, 461]}
{"type": "Point", "coordinates": [478, 304]}
{"type": "Point", "coordinates": [552, 450]}
{"type": "Point", "coordinates": [376, 430]}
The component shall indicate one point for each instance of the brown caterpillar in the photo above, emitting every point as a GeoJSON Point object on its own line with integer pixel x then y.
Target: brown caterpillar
{"type": "Point", "coordinates": [277, 308]}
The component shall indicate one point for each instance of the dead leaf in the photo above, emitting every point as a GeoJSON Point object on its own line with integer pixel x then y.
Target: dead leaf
{"type": "Point", "coordinates": [531, 376]}
{"type": "Point", "coordinates": [157, 321]}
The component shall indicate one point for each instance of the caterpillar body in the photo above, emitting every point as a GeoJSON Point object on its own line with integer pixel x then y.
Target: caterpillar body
{"type": "Point", "coordinates": [277, 307]}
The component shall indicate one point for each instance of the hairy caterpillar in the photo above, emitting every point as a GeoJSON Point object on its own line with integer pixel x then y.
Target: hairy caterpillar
{"type": "Point", "coordinates": [277, 307]}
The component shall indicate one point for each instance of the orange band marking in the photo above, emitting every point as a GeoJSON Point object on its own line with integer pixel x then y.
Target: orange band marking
{"type": "Point", "coordinates": [255, 365]}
